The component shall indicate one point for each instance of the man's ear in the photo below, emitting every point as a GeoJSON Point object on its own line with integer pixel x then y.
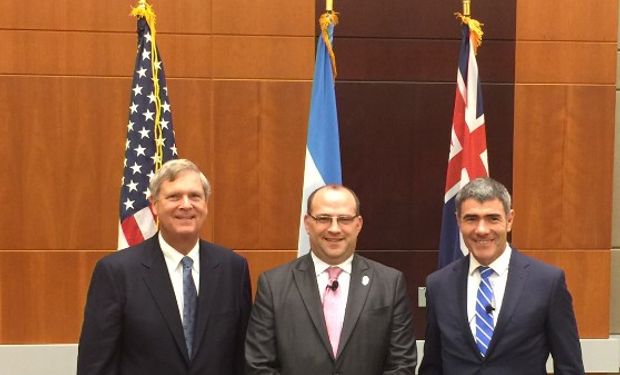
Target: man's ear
{"type": "Point", "coordinates": [153, 206]}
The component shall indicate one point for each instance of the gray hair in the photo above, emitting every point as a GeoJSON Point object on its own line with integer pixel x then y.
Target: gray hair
{"type": "Point", "coordinates": [169, 172]}
{"type": "Point", "coordinates": [482, 190]}
{"type": "Point", "coordinates": [332, 187]}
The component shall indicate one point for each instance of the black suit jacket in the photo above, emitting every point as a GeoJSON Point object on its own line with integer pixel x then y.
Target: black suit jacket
{"type": "Point", "coordinates": [287, 332]}
{"type": "Point", "coordinates": [536, 319]}
{"type": "Point", "coordinates": [132, 324]}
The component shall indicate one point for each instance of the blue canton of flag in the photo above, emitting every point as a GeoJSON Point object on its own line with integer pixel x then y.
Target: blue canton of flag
{"type": "Point", "coordinates": [322, 164]}
{"type": "Point", "coordinates": [137, 222]}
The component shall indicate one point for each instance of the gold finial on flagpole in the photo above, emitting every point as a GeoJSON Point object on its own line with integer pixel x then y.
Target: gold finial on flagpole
{"type": "Point", "coordinates": [466, 8]}
{"type": "Point", "coordinates": [475, 27]}
{"type": "Point", "coordinates": [329, 5]}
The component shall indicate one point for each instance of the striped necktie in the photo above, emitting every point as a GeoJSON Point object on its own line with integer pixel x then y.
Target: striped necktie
{"type": "Point", "coordinates": [485, 304]}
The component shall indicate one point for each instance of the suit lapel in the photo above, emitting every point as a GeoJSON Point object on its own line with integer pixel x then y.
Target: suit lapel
{"type": "Point", "coordinates": [209, 284]}
{"type": "Point", "coordinates": [358, 293]}
{"type": "Point", "coordinates": [305, 280]}
{"type": "Point", "coordinates": [517, 275]}
{"type": "Point", "coordinates": [158, 282]}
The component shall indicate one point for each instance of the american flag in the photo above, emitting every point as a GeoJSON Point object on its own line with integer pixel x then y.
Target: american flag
{"type": "Point", "coordinates": [147, 145]}
{"type": "Point", "coordinates": [468, 147]}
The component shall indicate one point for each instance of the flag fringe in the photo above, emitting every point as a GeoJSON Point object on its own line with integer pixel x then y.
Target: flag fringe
{"type": "Point", "coordinates": [145, 10]}
{"type": "Point", "coordinates": [329, 18]}
{"type": "Point", "coordinates": [475, 27]}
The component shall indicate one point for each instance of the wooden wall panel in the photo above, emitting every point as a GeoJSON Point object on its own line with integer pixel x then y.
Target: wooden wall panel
{"type": "Point", "coordinates": [190, 16]}
{"type": "Point", "coordinates": [263, 260]}
{"type": "Point", "coordinates": [61, 184]}
{"type": "Point", "coordinates": [99, 54]}
{"type": "Point", "coordinates": [51, 143]}
{"type": "Point", "coordinates": [563, 166]}
{"type": "Point", "coordinates": [43, 302]}
{"type": "Point", "coordinates": [236, 143]}
{"type": "Point", "coordinates": [421, 20]}
{"type": "Point", "coordinates": [409, 60]}
{"type": "Point", "coordinates": [278, 17]}
{"type": "Point", "coordinates": [570, 20]}
{"type": "Point", "coordinates": [263, 57]}
{"type": "Point", "coordinates": [564, 127]}
{"type": "Point", "coordinates": [587, 277]}
{"type": "Point", "coordinates": [42, 294]}
{"type": "Point", "coordinates": [260, 138]}
{"type": "Point", "coordinates": [566, 62]}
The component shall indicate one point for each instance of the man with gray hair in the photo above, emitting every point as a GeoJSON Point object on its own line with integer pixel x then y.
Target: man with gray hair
{"type": "Point", "coordinates": [497, 311]}
{"type": "Point", "coordinates": [173, 304]}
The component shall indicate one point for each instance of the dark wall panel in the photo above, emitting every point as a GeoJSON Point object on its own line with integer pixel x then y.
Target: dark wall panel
{"type": "Point", "coordinates": [426, 19]}
{"type": "Point", "coordinates": [395, 142]}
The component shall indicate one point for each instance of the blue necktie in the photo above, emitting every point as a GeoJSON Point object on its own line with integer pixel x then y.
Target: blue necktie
{"type": "Point", "coordinates": [189, 303]}
{"type": "Point", "coordinates": [484, 310]}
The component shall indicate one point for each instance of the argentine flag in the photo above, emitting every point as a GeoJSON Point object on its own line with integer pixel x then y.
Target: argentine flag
{"type": "Point", "coordinates": [323, 145]}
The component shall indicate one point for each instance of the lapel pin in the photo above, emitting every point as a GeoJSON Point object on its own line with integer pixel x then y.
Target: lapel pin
{"type": "Point", "coordinates": [365, 280]}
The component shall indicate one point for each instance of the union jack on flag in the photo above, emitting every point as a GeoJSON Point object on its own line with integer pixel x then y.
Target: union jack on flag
{"type": "Point", "coordinates": [468, 147]}
{"type": "Point", "coordinates": [146, 143]}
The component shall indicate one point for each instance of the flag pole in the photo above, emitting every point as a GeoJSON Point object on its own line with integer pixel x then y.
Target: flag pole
{"type": "Point", "coordinates": [466, 8]}
{"type": "Point", "coordinates": [475, 26]}
{"type": "Point", "coordinates": [329, 5]}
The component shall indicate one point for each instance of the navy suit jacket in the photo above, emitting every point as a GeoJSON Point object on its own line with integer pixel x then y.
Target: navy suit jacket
{"type": "Point", "coordinates": [536, 319]}
{"type": "Point", "coordinates": [287, 334]}
{"type": "Point", "coordinates": [132, 324]}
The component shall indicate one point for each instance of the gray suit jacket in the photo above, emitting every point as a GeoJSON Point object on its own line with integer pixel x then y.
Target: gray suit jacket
{"type": "Point", "coordinates": [132, 324]}
{"type": "Point", "coordinates": [287, 332]}
{"type": "Point", "coordinates": [536, 319]}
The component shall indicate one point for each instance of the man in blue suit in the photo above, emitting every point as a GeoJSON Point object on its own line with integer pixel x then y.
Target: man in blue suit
{"type": "Point", "coordinates": [497, 311]}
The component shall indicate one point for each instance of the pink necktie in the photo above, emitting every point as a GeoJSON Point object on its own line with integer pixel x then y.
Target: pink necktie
{"type": "Point", "coordinates": [333, 308]}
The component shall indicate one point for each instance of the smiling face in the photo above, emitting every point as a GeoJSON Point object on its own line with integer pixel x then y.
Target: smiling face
{"type": "Point", "coordinates": [485, 227]}
{"type": "Point", "coordinates": [332, 240]}
{"type": "Point", "coordinates": [181, 207]}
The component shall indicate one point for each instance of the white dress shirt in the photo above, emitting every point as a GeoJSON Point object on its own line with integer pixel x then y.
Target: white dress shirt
{"type": "Point", "coordinates": [498, 283]}
{"type": "Point", "coordinates": [175, 269]}
{"type": "Point", "coordinates": [322, 278]}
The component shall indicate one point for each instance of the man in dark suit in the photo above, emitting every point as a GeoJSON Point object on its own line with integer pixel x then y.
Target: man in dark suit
{"type": "Point", "coordinates": [497, 311]}
{"type": "Point", "coordinates": [331, 311]}
{"type": "Point", "coordinates": [174, 304]}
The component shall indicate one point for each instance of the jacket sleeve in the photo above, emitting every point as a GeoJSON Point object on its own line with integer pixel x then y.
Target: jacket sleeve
{"type": "Point", "coordinates": [99, 346]}
{"type": "Point", "coordinates": [561, 330]}
{"type": "Point", "coordinates": [431, 361]}
{"type": "Point", "coordinates": [402, 353]}
{"type": "Point", "coordinates": [246, 305]}
{"type": "Point", "coordinates": [261, 351]}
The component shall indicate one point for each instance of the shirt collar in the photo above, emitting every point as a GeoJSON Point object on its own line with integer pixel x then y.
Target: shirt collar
{"type": "Point", "coordinates": [499, 265]}
{"type": "Point", "coordinates": [320, 266]}
{"type": "Point", "coordinates": [174, 256]}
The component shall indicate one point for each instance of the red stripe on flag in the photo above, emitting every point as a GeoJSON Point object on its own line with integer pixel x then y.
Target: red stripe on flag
{"type": "Point", "coordinates": [132, 231]}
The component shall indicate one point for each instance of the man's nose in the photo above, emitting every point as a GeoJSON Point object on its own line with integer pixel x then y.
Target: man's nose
{"type": "Point", "coordinates": [482, 227]}
{"type": "Point", "coordinates": [185, 202]}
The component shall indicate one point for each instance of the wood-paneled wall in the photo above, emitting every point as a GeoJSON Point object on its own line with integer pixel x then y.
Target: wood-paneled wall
{"type": "Point", "coordinates": [239, 78]}
{"type": "Point", "coordinates": [239, 83]}
{"type": "Point", "coordinates": [563, 157]}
